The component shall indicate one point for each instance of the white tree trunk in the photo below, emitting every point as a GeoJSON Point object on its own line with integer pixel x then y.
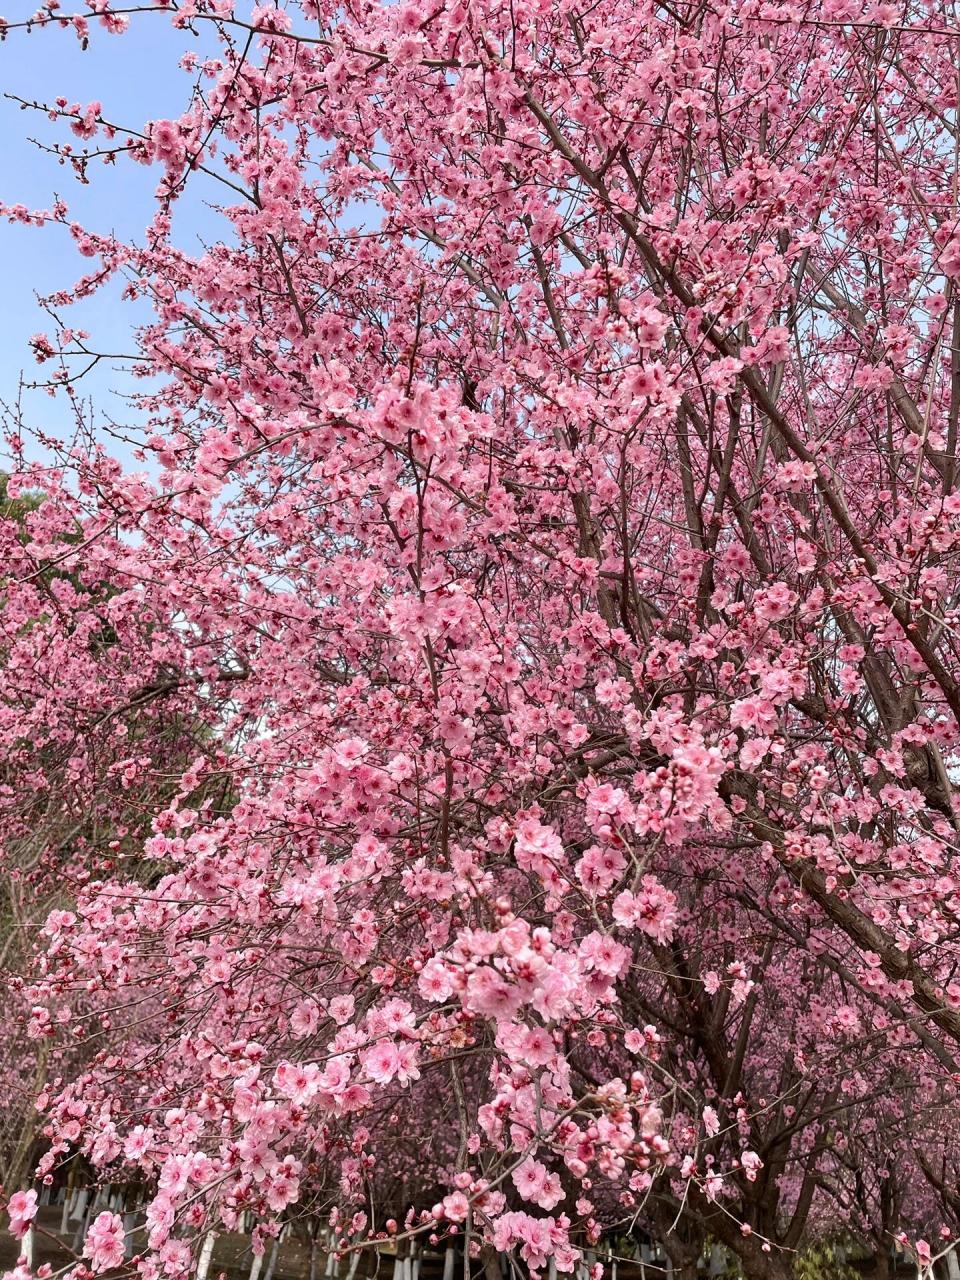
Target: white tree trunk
{"type": "Point", "coordinates": [79, 1203]}
{"type": "Point", "coordinates": [129, 1227]}
{"type": "Point", "coordinates": [84, 1221]}
{"type": "Point", "coordinates": [272, 1265]}
{"type": "Point", "coordinates": [206, 1253]}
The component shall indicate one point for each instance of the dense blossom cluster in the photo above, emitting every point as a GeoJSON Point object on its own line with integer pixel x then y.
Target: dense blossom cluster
{"type": "Point", "coordinates": [503, 739]}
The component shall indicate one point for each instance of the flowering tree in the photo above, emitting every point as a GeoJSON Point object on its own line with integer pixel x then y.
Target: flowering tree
{"type": "Point", "coordinates": [549, 502]}
{"type": "Point", "coordinates": [82, 728]}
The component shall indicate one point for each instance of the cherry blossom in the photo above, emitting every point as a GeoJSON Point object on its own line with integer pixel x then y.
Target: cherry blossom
{"type": "Point", "coordinates": [516, 683]}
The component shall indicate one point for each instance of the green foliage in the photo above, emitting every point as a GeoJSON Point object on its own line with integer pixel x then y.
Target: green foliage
{"type": "Point", "coordinates": [826, 1260]}
{"type": "Point", "coordinates": [17, 508]}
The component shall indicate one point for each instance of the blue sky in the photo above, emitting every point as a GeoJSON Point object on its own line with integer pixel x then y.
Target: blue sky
{"type": "Point", "coordinates": [136, 77]}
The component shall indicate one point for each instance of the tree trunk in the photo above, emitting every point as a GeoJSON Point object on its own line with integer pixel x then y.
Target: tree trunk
{"type": "Point", "coordinates": [878, 1268]}
{"type": "Point", "coordinates": [491, 1263]}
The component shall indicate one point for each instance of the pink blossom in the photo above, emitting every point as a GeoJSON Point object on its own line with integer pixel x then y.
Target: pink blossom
{"type": "Point", "coordinates": [653, 910]}
{"type": "Point", "coordinates": [104, 1245]}
{"type": "Point", "coordinates": [22, 1208]}
{"type": "Point", "coordinates": [382, 1061]}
